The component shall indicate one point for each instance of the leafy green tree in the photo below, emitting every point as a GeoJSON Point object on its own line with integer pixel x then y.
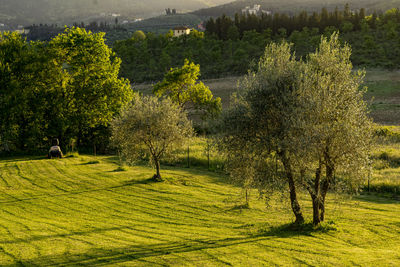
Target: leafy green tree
{"type": "Point", "coordinates": [152, 127]}
{"type": "Point", "coordinates": [298, 123]}
{"type": "Point", "coordinates": [233, 33]}
{"type": "Point", "coordinates": [182, 87]}
{"type": "Point", "coordinates": [13, 51]}
{"type": "Point", "coordinates": [139, 35]}
{"type": "Point", "coordinates": [347, 26]}
{"type": "Point", "coordinates": [94, 93]}
{"type": "Point", "coordinates": [29, 81]}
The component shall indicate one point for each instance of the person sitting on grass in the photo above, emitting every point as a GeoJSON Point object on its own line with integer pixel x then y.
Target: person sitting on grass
{"type": "Point", "coordinates": [55, 150]}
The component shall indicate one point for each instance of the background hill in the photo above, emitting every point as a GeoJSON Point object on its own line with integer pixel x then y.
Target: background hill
{"type": "Point", "coordinates": [161, 24]}
{"type": "Point", "coordinates": [293, 6]}
{"type": "Point", "coordinates": [23, 12]}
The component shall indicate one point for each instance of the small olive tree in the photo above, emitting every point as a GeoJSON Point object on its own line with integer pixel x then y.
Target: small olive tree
{"type": "Point", "coordinates": [300, 123]}
{"type": "Point", "coordinates": [152, 127]}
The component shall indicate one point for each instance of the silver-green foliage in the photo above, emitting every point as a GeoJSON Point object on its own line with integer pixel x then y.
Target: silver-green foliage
{"type": "Point", "coordinates": [151, 127]}
{"type": "Point", "coordinates": [301, 123]}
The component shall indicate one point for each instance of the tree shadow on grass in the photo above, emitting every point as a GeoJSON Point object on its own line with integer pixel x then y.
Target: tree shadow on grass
{"type": "Point", "coordinates": [151, 180]}
{"type": "Point", "coordinates": [293, 229]}
{"type": "Point", "coordinates": [102, 256]}
{"type": "Point", "coordinates": [217, 177]}
{"type": "Point", "coordinates": [378, 198]}
{"type": "Point", "coordinates": [13, 159]}
{"type": "Point", "coordinates": [105, 256]}
{"type": "Point", "coordinates": [92, 162]}
{"type": "Point", "coordinates": [79, 192]}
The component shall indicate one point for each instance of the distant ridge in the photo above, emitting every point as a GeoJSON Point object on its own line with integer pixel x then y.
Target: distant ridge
{"type": "Point", "coordinates": [294, 6]}
{"type": "Point", "coordinates": [25, 12]}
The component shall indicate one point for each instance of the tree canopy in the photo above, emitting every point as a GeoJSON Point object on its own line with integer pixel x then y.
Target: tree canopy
{"type": "Point", "coordinates": [152, 127]}
{"type": "Point", "coordinates": [65, 88]}
{"type": "Point", "coordinates": [182, 87]}
{"type": "Point", "coordinates": [94, 92]}
{"type": "Point", "coordinates": [300, 123]}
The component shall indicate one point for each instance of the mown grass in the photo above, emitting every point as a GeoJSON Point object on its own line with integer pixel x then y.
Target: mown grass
{"type": "Point", "coordinates": [200, 153]}
{"type": "Point", "coordinates": [65, 212]}
{"type": "Point", "coordinates": [385, 176]}
{"type": "Point", "coordinates": [386, 163]}
{"type": "Point", "coordinates": [384, 96]}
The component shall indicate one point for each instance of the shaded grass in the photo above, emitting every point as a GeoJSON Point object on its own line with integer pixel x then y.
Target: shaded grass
{"type": "Point", "coordinates": [384, 90]}
{"type": "Point", "coordinates": [60, 212]}
{"type": "Point", "coordinates": [386, 162]}
{"type": "Point", "coordinates": [91, 162]}
{"type": "Point", "coordinates": [200, 153]}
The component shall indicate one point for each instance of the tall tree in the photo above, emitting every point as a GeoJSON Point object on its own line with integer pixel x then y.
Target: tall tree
{"type": "Point", "coordinates": [182, 87]}
{"type": "Point", "coordinates": [94, 92]}
{"type": "Point", "coordinates": [29, 82]}
{"type": "Point", "coordinates": [332, 129]}
{"type": "Point", "coordinates": [304, 124]}
{"type": "Point", "coordinates": [254, 129]}
{"type": "Point", "coordinates": [13, 60]}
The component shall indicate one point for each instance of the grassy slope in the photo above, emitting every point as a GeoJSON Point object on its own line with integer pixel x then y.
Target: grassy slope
{"type": "Point", "coordinates": [66, 212]}
{"type": "Point", "coordinates": [383, 90]}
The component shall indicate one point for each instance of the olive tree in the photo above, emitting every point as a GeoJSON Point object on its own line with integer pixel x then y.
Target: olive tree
{"type": "Point", "coordinates": [152, 127]}
{"type": "Point", "coordinates": [332, 131]}
{"type": "Point", "coordinates": [256, 127]}
{"type": "Point", "coordinates": [302, 124]}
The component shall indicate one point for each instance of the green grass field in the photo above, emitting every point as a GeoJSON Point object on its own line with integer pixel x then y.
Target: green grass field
{"type": "Point", "coordinates": [86, 211]}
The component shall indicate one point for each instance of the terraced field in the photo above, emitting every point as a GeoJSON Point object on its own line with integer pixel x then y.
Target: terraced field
{"type": "Point", "coordinates": [85, 211]}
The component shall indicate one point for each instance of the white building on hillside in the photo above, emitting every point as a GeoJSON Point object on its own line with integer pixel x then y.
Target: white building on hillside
{"type": "Point", "coordinates": [252, 11]}
{"type": "Point", "coordinates": [178, 31]}
{"type": "Point", "coordinates": [255, 10]}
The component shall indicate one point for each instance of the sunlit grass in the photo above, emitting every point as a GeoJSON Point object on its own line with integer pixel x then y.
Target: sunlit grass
{"type": "Point", "coordinates": [68, 212]}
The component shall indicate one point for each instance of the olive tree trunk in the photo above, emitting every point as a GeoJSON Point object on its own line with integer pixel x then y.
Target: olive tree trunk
{"type": "Point", "coordinates": [157, 176]}
{"type": "Point", "coordinates": [324, 190]}
{"type": "Point", "coordinates": [292, 189]}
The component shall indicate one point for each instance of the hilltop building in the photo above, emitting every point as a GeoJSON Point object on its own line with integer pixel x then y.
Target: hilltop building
{"type": "Point", "coordinates": [251, 11]}
{"type": "Point", "coordinates": [178, 31]}
{"type": "Point", "coordinates": [21, 30]}
{"type": "Point", "coordinates": [255, 10]}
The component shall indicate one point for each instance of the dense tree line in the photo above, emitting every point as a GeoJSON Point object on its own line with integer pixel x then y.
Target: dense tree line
{"type": "Point", "coordinates": [67, 88]}
{"type": "Point", "coordinates": [45, 32]}
{"type": "Point", "coordinates": [232, 46]}
{"type": "Point", "coordinates": [223, 26]}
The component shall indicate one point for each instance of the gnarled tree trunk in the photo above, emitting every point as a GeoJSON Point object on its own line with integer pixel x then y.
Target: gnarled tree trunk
{"type": "Point", "coordinates": [157, 177]}
{"type": "Point", "coordinates": [292, 188]}
{"type": "Point", "coordinates": [324, 190]}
